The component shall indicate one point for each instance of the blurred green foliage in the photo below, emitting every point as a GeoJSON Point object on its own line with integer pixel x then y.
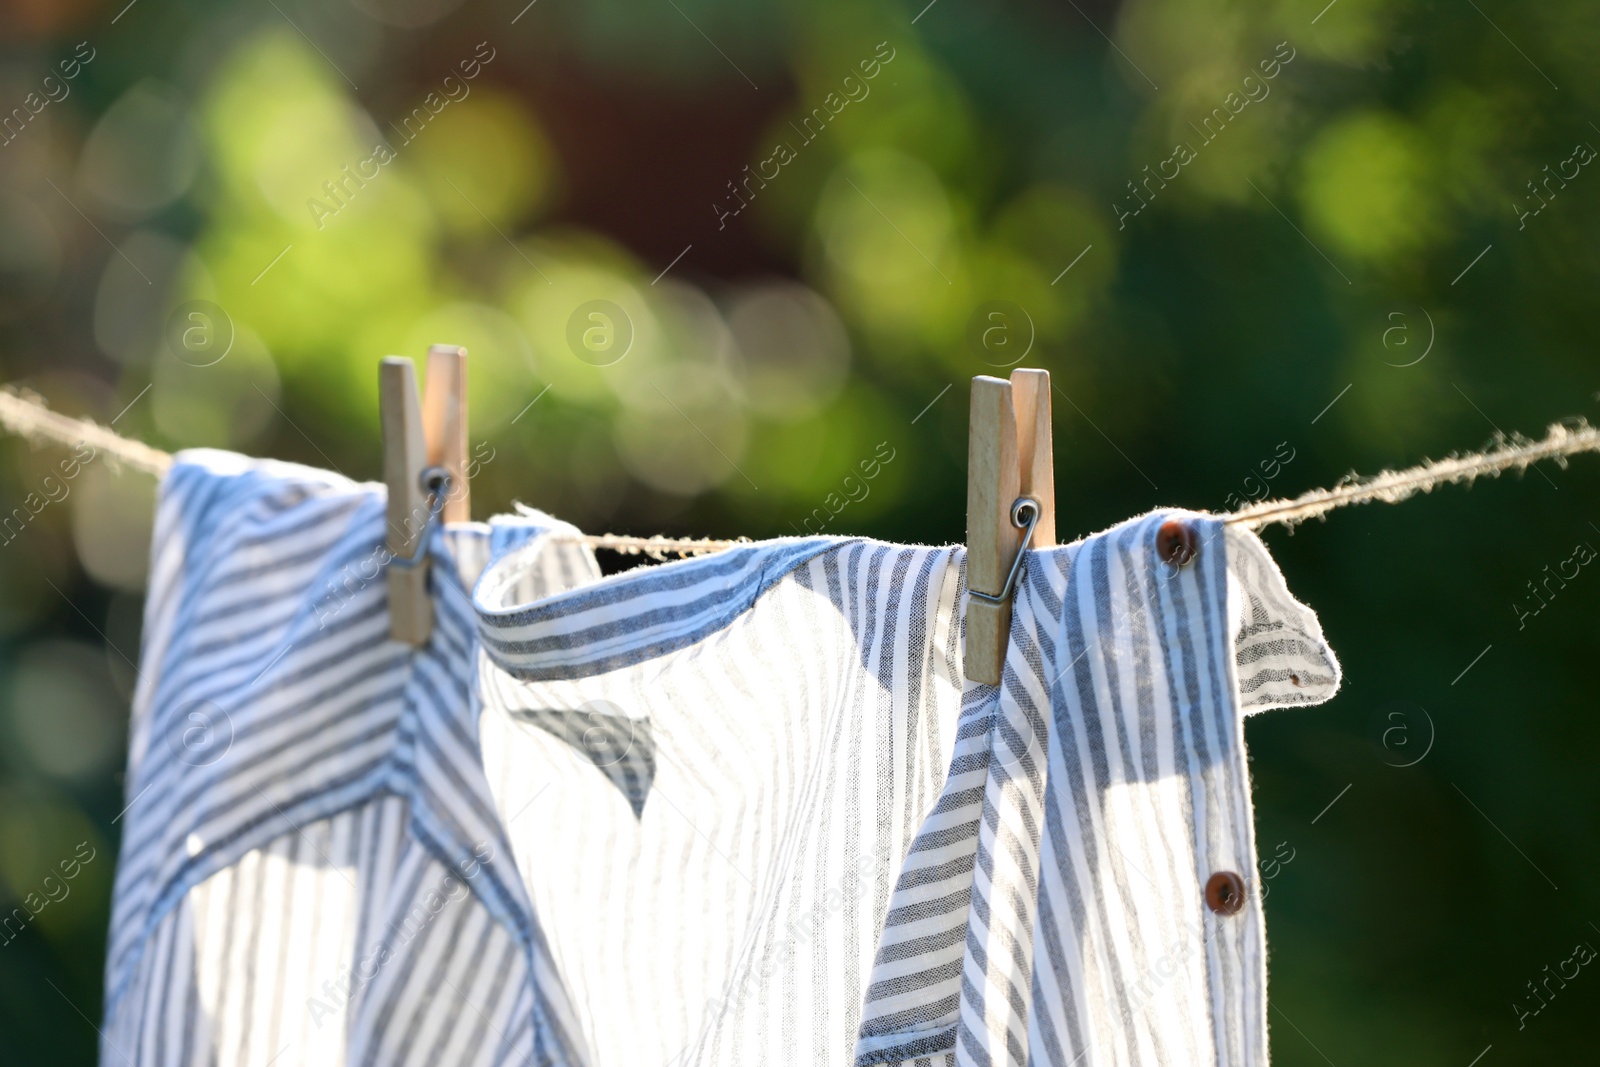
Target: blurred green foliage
{"type": "Point", "coordinates": [1375, 253]}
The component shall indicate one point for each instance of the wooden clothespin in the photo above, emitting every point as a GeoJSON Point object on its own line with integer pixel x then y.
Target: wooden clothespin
{"type": "Point", "coordinates": [424, 467]}
{"type": "Point", "coordinates": [1010, 488]}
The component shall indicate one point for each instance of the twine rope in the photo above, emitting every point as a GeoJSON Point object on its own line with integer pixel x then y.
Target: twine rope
{"type": "Point", "coordinates": [25, 414]}
{"type": "Point", "coordinates": [1513, 452]}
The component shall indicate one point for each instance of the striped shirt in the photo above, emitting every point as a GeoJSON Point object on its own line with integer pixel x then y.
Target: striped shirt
{"type": "Point", "coordinates": [312, 870]}
{"type": "Point", "coordinates": [739, 809]}
{"type": "Point", "coordinates": [762, 817]}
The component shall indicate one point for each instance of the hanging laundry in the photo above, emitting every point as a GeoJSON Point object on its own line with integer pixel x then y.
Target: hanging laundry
{"type": "Point", "coordinates": [739, 808]}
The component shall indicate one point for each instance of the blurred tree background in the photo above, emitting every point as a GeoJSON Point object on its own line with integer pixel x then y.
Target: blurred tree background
{"type": "Point", "coordinates": [1258, 243]}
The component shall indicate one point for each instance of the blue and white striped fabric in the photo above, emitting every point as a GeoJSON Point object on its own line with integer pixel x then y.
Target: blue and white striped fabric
{"type": "Point", "coordinates": [1053, 907]}
{"type": "Point", "coordinates": [312, 870]}
{"type": "Point", "coordinates": [794, 700]}
{"type": "Point", "coordinates": [793, 834]}
{"type": "Point", "coordinates": [740, 809]}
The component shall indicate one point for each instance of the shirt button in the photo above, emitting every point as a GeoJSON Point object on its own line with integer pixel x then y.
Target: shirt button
{"type": "Point", "coordinates": [1225, 893]}
{"type": "Point", "coordinates": [1175, 542]}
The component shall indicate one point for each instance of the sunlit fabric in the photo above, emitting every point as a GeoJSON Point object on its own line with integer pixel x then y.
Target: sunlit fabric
{"type": "Point", "coordinates": [845, 853]}
{"type": "Point", "coordinates": [736, 809]}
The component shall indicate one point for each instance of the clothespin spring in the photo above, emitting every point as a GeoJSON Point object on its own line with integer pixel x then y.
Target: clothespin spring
{"type": "Point", "coordinates": [1025, 513]}
{"type": "Point", "coordinates": [435, 481]}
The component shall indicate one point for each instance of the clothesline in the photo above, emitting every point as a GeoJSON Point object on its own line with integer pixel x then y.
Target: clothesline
{"type": "Point", "coordinates": [1513, 452]}
{"type": "Point", "coordinates": [26, 415]}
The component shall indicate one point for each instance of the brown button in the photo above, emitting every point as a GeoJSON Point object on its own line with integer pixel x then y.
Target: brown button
{"type": "Point", "coordinates": [1175, 542]}
{"type": "Point", "coordinates": [1225, 892]}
